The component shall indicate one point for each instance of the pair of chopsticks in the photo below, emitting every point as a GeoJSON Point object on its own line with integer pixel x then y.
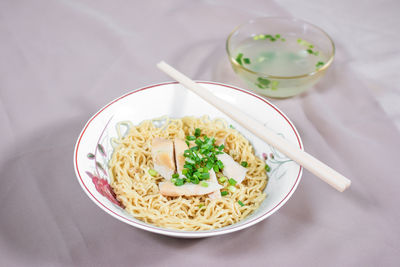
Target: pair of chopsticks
{"type": "Point", "coordinates": [321, 170]}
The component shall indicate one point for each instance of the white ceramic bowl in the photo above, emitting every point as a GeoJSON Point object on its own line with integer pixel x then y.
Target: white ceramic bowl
{"type": "Point", "coordinates": [93, 148]}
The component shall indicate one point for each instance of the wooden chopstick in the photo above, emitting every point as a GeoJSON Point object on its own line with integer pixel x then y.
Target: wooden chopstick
{"type": "Point", "coordinates": [310, 163]}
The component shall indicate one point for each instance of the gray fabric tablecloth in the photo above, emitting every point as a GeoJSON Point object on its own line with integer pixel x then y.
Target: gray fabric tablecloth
{"type": "Point", "coordinates": [60, 61]}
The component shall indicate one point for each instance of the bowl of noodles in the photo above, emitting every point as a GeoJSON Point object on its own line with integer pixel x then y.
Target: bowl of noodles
{"type": "Point", "coordinates": [163, 160]}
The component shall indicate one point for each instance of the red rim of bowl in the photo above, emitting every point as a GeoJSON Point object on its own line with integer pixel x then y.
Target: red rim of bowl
{"type": "Point", "coordinates": [180, 233]}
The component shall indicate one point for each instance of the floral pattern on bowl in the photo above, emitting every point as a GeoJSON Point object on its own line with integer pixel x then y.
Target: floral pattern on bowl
{"type": "Point", "coordinates": [99, 174]}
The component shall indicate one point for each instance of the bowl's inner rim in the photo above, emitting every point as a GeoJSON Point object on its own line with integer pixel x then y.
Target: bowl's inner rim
{"type": "Point", "coordinates": [153, 228]}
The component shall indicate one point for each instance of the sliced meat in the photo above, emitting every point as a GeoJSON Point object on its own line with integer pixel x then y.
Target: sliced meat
{"type": "Point", "coordinates": [232, 169]}
{"type": "Point", "coordinates": [188, 189]}
{"type": "Point", "coordinates": [213, 179]}
{"type": "Point", "coordinates": [162, 151]}
{"type": "Point", "coordinates": [180, 147]}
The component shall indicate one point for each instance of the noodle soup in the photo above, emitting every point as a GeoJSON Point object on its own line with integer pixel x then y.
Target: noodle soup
{"type": "Point", "coordinates": [137, 185]}
{"type": "Point", "coordinates": [100, 139]}
{"type": "Point", "coordinates": [279, 57]}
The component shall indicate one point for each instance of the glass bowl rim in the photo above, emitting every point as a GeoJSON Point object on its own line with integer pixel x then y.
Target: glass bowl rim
{"type": "Point", "coordinates": [291, 19]}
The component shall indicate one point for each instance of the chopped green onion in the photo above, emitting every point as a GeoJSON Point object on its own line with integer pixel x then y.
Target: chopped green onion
{"type": "Point", "coordinates": [153, 172]}
{"type": "Point", "coordinates": [198, 142]}
{"type": "Point", "coordinates": [173, 180]}
{"type": "Point", "coordinates": [319, 64]}
{"type": "Point", "coordinates": [187, 143]}
{"type": "Point", "coordinates": [175, 175]}
{"type": "Point", "coordinates": [246, 60]}
{"type": "Point", "coordinates": [179, 182]}
{"type": "Point", "coordinates": [244, 164]}
{"type": "Point", "coordinates": [304, 43]}
{"type": "Point", "coordinates": [222, 179]}
{"type": "Point", "coordinates": [267, 167]}
{"type": "Point", "coordinates": [260, 86]}
{"type": "Point", "coordinates": [209, 164]}
{"type": "Point", "coordinates": [215, 168]}
{"type": "Point", "coordinates": [201, 205]}
{"type": "Point", "coordinates": [204, 184]}
{"type": "Point", "coordinates": [200, 159]}
{"type": "Point", "coordinates": [232, 188]}
{"type": "Point", "coordinates": [231, 126]}
{"type": "Point", "coordinates": [310, 51]}
{"type": "Point", "coordinates": [263, 81]}
{"type": "Point", "coordinates": [240, 203]}
{"type": "Point", "coordinates": [190, 138]}
{"type": "Point", "coordinates": [188, 166]}
{"type": "Point", "coordinates": [274, 85]}
{"type": "Point", "coordinates": [197, 132]}
{"type": "Point", "coordinates": [268, 36]}
{"type": "Point", "coordinates": [195, 180]}
{"type": "Point", "coordinates": [205, 175]}
{"type": "Point", "coordinates": [220, 164]}
{"type": "Point", "coordinates": [239, 58]}
{"type": "Point", "coordinates": [232, 181]}
{"type": "Point", "coordinates": [224, 193]}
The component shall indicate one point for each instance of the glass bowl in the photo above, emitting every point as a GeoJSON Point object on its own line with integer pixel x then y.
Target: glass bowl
{"type": "Point", "coordinates": [279, 57]}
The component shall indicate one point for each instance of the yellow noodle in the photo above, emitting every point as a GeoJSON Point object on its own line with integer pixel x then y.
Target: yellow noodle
{"type": "Point", "coordinates": [138, 191]}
